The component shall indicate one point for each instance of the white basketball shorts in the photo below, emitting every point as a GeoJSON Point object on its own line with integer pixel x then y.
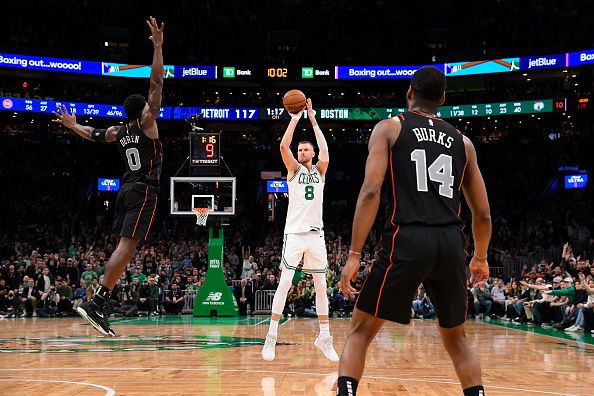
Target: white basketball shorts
{"type": "Point", "coordinates": [309, 246]}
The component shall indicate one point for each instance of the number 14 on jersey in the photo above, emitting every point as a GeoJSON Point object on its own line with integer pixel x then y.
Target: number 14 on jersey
{"type": "Point", "coordinates": [440, 171]}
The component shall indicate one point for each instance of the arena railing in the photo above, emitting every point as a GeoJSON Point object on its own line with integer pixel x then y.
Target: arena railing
{"type": "Point", "coordinates": [263, 302]}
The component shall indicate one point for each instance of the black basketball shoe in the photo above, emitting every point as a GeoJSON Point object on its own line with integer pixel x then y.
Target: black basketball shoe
{"type": "Point", "coordinates": [97, 316]}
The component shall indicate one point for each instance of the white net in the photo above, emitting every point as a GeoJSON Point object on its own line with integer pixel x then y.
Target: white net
{"type": "Point", "coordinates": [201, 215]}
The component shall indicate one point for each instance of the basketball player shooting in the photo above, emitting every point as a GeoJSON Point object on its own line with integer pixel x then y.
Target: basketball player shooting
{"type": "Point", "coordinates": [429, 165]}
{"type": "Point", "coordinates": [140, 148]}
{"type": "Point", "coordinates": [304, 231]}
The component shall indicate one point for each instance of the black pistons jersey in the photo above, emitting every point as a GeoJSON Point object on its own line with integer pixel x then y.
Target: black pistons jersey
{"type": "Point", "coordinates": [142, 155]}
{"type": "Point", "coordinates": [426, 169]}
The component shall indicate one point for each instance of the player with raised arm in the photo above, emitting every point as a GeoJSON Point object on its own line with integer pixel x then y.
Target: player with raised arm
{"type": "Point", "coordinates": [139, 145]}
{"type": "Point", "coordinates": [304, 231]}
{"type": "Point", "coordinates": [429, 164]}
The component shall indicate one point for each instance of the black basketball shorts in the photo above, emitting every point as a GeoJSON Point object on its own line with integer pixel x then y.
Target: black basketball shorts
{"type": "Point", "coordinates": [134, 210]}
{"type": "Point", "coordinates": [415, 254]}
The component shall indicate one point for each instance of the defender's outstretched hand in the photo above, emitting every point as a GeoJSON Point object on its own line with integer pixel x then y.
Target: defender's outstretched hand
{"type": "Point", "coordinates": [156, 32]}
{"type": "Point", "coordinates": [68, 120]}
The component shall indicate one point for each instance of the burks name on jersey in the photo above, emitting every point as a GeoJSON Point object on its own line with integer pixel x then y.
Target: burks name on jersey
{"type": "Point", "coordinates": [431, 135]}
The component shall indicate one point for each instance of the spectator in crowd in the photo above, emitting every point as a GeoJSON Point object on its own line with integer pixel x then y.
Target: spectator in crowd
{"type": "Point", "coordinates": [116, 294]}
{"type": "Point", "coordinates": [155, 295]}
{"type": "Point", "coordinates": [44, 280]}
{"type": "Point", "coordinates": [92, 288]}
{"type": "Point", "coordinates": [498, 298]}
{"type": "Point", "coordinates": [174, 300]}
{"type": "Point", "coordinates": [13, 278]}
{"type": "Point", "coordinates": [271, 283]}
{"type": "Point", "coordinates": [294, 304]}
{"type": "Point", "coordinates": [249, 267]}
{"type": "Point", "coordinates": [29, 297]}
{"type": "Point", "coordinates": [299, 274]}
{"type": "Point", "coordinates": [416, 302]}
{"type": "Point", "coordinates": [564, 305]}
{"type": "Point", "coordinates": [541, 308]}
{"type": "Point", "coordinates": [138, 273]}
{"type": "Point", "coordinates": [65, 292]}
{"type": "Point", "coordinates": [3, 298]}
{"type": "Point", "coordinates": [128, 301]}
{"type": "Point", "coordinates": [48, 303]}
{"type": "Point", "coordinates": [582, 307]}
{"type": "Point", "coordinates": [145, 303]}
{"type": "Point", "coordinates": [519, 295]}
{"type": "Point", "coordinates": [80, 294]}
{"type": "Point", "coordinates": [71, 273]}
{"type": "Point", "coordinates": [532, 294]}
{"type": "Point", "coordinates": [308, 294]}
{"type": "Point", "coordinates": [244, 297]}
{"type": "Point", "coordinates": [425, 309]}
{"type": "Point", "coordinates": [482, 300]}
{"type": "Point", "coordinates": [89, 275]}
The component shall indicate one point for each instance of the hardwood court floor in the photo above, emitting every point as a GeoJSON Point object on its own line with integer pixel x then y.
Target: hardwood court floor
{"type": "Point", "coordinates": [192, 356]}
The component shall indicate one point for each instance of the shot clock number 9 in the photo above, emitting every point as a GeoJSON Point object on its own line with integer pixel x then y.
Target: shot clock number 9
{"type": "Point", "coordinates": [206, 148]}
{"type": "Point", "coordinates": [209, 142]}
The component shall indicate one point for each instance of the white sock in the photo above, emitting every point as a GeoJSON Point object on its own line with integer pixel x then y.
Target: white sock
{"type": "Point", "coordinates": [324, 327]}
{"type": "Point", "coordinates": [273, 329]}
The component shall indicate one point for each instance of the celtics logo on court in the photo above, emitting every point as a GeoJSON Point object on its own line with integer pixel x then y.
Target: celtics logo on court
{"type": "Point", "coordinates": [131, 343]}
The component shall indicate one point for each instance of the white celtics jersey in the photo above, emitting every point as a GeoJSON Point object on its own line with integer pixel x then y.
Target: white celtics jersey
{"type": "Point", "coordinates": [306, 198]}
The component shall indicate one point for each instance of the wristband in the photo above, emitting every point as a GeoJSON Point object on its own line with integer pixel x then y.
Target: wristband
{"type": "Point", "coordinates": [98, 135]}
{"type": "Point", "coordinates": [480, 258]}
{"type": "Point", "coordinates": [357, 253]}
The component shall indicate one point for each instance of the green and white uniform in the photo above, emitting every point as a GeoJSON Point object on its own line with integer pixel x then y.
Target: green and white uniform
{"type": "Point", "coordinates": [304, 230]}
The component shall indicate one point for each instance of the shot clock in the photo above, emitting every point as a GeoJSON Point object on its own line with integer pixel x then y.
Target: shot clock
{"type": "Point", "coordinates": [205, 148]}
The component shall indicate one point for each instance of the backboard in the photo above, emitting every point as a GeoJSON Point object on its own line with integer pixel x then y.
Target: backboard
{"type": "Point", "coordinates": [216, 193]}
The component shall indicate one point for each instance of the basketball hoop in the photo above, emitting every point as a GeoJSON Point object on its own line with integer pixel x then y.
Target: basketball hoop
{"type": "Point", "coordinates": [201, 215]}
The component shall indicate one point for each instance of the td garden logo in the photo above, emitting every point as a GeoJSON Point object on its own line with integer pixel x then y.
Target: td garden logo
{"type": "Point", "coordinates": [131, 343]}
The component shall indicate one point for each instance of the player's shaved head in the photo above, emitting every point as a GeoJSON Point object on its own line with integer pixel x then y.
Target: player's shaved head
{"type": "Point", "coordinates": [133, 106]}
{"type": "Point", "coordinates": [428, 83]}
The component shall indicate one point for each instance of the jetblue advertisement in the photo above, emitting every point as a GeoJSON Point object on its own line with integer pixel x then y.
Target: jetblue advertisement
{"type": "Point", "coordinates": [377, 72]}
{"type": "Point", "coordinates": [543, 62]}
{"type": "Point", "coordinates": [209, 72]}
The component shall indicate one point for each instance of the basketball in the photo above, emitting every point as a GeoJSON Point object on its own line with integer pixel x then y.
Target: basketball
{"type": "Point", "coordinates": [294, 101]}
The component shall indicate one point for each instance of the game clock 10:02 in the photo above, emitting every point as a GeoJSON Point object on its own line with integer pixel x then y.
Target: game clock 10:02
{"type": "Point", "coordinates": [205, 148]}
{"type": "Point", "coordinates": [277, 72]}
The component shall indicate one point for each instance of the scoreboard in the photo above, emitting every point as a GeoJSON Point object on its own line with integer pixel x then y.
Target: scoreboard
{"type": "Point", "coordinates": [461, 111]}
{"type": "Point", "coordinates": [279, 113]}
{"type": "Point", "coordinates": [205, 148]}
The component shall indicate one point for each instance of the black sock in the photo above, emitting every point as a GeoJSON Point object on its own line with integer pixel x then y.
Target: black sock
{"type": "Point", "coordinates": [474, 391]}
{"type": "Point", "coordinates": [101, 295]}
{"type": "Point", "coordinates": [347, 386]}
